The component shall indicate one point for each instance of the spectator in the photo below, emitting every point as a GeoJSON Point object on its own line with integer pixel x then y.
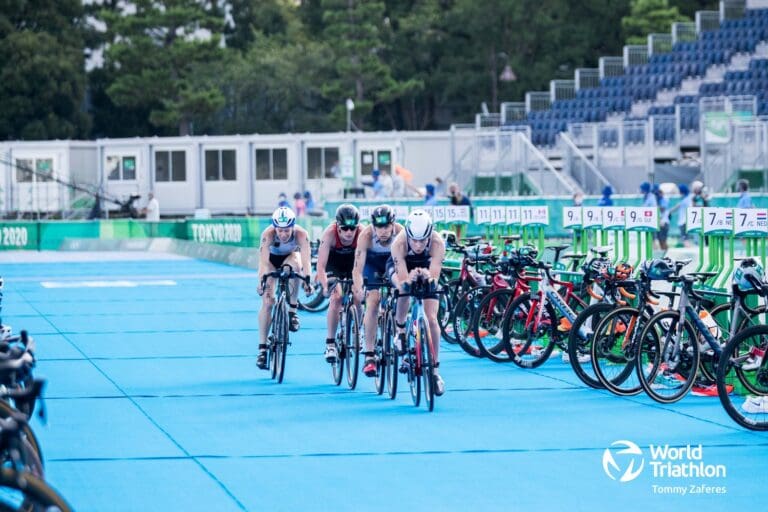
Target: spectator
{"type": "Point", "coordinates": [308, 201]}
{"type": "Point", "coordinates": [745, 200]}
{"type": "Point", "coordinates": [606, 199]}
{"type": "Point", "coordinates": [152, 210]}
{"type": "Point", "coordinates": [398, 184]}
{"type": "Point", "coordinates": [649, 198]}
{"type": "Point", "coordinates": [578, 199]}
{"type": "Point", "coordinates": [663, 203]}
{"type": "Point", "coordinates": [686, 201]}
{"type": "Point", "coordinates": [282, 201]}
{"type": "Point", "coordinates": [700, 195]}
{"type": "Point", "coordinates": [386, 185]}
{"type": "Point", "coordinates": [440, 189]}
{"type": "Point", "coordinates": [430, 199]}
{"type": "Point", "coordinates": [457, 196]}
{"type": "Point", "coordinates": [299, 205]}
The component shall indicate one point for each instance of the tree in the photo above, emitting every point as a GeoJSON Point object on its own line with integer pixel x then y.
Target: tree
{"type": "Point", "coordinates": [252, 17]}
{"type": "Point", "coordinates": [157, 55]}
{"type": "Point", "coordinates": [42, 76]}
{"type": "Point", "coordinates": [647, 17]}
{"type": "Point", "coordinates": [355, 31]}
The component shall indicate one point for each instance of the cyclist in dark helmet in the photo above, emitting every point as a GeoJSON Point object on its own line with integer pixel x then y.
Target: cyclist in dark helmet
{"type": "Point", "coordinates": [336, 256]}
{"type": "Point", "coordinates": [374, 248]}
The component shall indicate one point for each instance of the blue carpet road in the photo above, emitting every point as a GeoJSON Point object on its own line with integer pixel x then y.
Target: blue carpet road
{"type": "Point", "coordinates": [155, 404]}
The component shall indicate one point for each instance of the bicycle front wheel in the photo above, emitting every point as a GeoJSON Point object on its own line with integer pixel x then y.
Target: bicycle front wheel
{"type": "Point", "coordinates": [463, 313]}
{"type": "Point", "coordinates": [487, 325]}
{"type": "Point", "coordinates": [409, 362]}
{"type": "Point", "coordinates": [613, 352]}
{"type": "Point", "coordinates": [282, 346]}
{"type": "Point", "coordinates": [427, 364]}
{"type": "Point", "coordinates": [580, 342]}
{"type": "Point", "coordinates": [390, 356]}
{"type": "Point", "coordinates": [742, 378]}
{"type": "Point", "coordinates": [352, 345]}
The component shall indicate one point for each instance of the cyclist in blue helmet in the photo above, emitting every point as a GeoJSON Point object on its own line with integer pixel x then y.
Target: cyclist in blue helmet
{"type": "Point", "coordinates": [282, 243]}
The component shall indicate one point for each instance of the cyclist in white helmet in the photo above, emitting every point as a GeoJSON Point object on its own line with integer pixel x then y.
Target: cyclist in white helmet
{"type": "Point", "coordinates": [282, 243]}
{"type": "Point", "coordinates": [418, 252]}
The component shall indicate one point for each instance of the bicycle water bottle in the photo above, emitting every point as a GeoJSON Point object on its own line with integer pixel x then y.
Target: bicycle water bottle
{"type": "Point", "coordinates": [710, 323]}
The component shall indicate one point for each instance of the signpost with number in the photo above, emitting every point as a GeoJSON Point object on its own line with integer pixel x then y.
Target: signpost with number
{"type": "Point", "coordinates": [572, 221]}
{"type": "Point", "coordinates": [534, 220]}
{"type": "Point", "coordinates": [614, 221]}
{"type": "Point", "coordinates": [717, 229]}
{"type": "Point", "coordinates": [752, 225]}
{"type": "Point", "coordinates": [644, 221]}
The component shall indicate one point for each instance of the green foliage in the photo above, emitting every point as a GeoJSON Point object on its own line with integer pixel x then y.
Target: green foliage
{"type": "Point", "coordinates": [266, 66]}
{"type": "Point", "coordinates": [42, 80]}
{"type": "Point", "coordinates": [649, 16]}
{"type": "Point", "coordinates": [155, 56]}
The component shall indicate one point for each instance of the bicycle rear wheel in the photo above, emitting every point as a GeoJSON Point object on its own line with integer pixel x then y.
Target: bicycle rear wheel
{"type": "Point", "coordinates": [742, 378]}
{"type": "Point", "coordinates": [352, 345]}
{"type": "Point", "coordinates": [530, 346]}
{"type": "Point", "coordinates": [445, 310]}
{"type": "Point", "coordinates": [463, 313]}
{"type": "Point", "coordinates": [667, 365]}
{"type": "Point", "coordinates": [390, 356]}
{"type": "Point", "coordinates": [487, 325]}
{"type": "Point", "coordinates": [427, 365]}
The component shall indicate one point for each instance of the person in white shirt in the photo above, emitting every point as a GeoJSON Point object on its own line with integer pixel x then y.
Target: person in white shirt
{"type": "Point", "coordinates": [152, 211]}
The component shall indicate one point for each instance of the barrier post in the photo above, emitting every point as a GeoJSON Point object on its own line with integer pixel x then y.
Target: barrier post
{"type": "Point", "coordinates": [572, 221]}
{"type": "Point", "coordinates": [614, 220]}
{"type": "Point", "coordinates": [718, 227]}
{"type": "Point", "coordinates": [694, 223]}
{"type": "Point", "coordinates": [457, 216]}
{"type": "Point", "coordinates": [534, 220]}
{"type": "Point", "coordinates": [644, 221]}
{"type": "Point", "coordinates": [592, 221]}
{"type": "Point", "coordinates": [512, 221]}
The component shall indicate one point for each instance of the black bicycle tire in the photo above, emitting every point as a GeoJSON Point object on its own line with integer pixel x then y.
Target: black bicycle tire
{"type": "Point", "coordinates": [499, 353]}
{"type": "Point", "coordinates": [35, 489]}
{"type": "Point", "coordinates": [427, 365]}
{"type": "Point", "coordinates": [461, 337]}
{"type": "Point", "coordinates": [674, 317]}
{"type": "Point", "coordinates": [282, 345]}
{"type": "Point", "coordinates": [722, 370]}
{"type": "Point", "coordinates": [612, 385]}
{"type": "Point", "coordinates": [577, 346]}
{"type": "Point", "coordinates": [391, 365]}
{"type": "Point", "coordinates": [543, 355]}
{"type": "Point", "coordinates": [352, 350]}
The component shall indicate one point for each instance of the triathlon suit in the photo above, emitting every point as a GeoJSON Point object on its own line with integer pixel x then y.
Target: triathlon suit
{"type": "Point", "coordinates": [341, 258]}
{"type": "Point", "coordinates": [279, 251]}
{"type": "Point", "coordinates": [376, 259]}
{"type": "Point", "coordinates": [413, 260]}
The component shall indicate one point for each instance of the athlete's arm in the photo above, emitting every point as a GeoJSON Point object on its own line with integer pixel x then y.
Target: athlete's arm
{"type": "Point", "coordinates": [322, 257]}
{"type": "Point", "coordinates": [437, 255]}
{"type": "Point", "coordinates": [361, 253]}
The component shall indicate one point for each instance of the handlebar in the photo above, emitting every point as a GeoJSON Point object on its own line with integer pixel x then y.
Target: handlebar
{"type": "Point", "coordinates": [285, 272]}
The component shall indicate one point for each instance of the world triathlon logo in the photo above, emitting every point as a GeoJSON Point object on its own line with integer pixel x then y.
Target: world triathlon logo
{"type": "Point", "coordinates": [623, 461]}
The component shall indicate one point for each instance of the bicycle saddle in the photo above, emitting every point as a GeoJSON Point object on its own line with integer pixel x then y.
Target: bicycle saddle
{"type": "Point", "coordinates": [601, 250]}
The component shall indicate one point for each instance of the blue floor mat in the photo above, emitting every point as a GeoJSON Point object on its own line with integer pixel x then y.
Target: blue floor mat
{"type": "Point", "coordinates": [155, 404]}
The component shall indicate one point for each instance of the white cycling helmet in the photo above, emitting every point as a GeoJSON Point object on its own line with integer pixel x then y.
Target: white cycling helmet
{"type": "Point", "coordinates": [283, 218]}
{"type": "Point", "coordinates": [418, 226]}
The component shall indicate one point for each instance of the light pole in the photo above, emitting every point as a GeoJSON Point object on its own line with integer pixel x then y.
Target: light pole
{"type": "Point", "coordinates": [350, 107]}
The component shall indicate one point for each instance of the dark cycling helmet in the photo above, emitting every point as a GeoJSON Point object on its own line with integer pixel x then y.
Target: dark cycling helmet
{"type": "Point", "coordinates": [524, 256]}
{"type": "Point", "coordinates": [596, 267]}
{"type": "Point", "coordinates": [749, 273]}
{"type": "Point", "coordinates": [622, 271]}
{"type": "Point", "coordinates": [347, 215]}
{"type": "Point", "coordinates": [382, 216]}
{"type": "Point", "coordinates": [657, 269]}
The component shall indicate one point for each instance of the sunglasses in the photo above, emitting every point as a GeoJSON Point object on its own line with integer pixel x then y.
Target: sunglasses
{"type": "Point", "coordinates": [347, 228]}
